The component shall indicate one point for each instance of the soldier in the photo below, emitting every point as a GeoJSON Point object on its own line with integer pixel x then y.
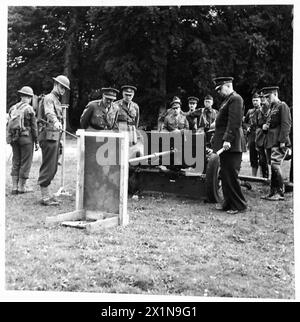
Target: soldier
{"type": "Point", "coordinates": [229, 135]}
{"type": "Point", "coordinates": [277, 126]}
{"type": "Point", "coordinates": [49, 137]}
{"type": "Point", "coordinates": [208, 115]}
{"type": "Point", "coordinates": [21, 135]}
{"type": "Point", "coordinates": [175, 120]}
{"type": "Point", "coordinates": [250, 121]}
{"type": "Point", "coordinates": [101, 114]}
{"type": "Point", "coordinates": [128, 113]}
{"type": "Point", "coordinates": [260, 137]}
{"type": "Point", "coordinates": [192, 101]}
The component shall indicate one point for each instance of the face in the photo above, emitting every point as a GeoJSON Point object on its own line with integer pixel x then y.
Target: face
{"type": "Point", "coordinates": [192, 105]}
{"type": "Point", "coordinates": [176, 108]}
{"type": "Point", "coordinates": [107, 101]}
{"type": "Point", "coordinates": [128, 96]}
{"type": "Point", "coordinates": [208, 103]}
{"type": "Point", "coordinates": [271, 98]}
{"type": "Point", "coordinates": [26, 99]}
{"type": "Point", "coordinates": [222, 91]}
{"type": "Point", "coordinates": [264, 101]}
{"type": "Point", "coordinates": [61, 89]}
{"type": "Point", "coordinates": [256, 102]}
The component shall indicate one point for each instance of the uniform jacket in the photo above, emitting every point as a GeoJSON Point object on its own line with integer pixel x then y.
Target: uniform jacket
{"type": "Point", "coordinates": [129, 113]}
{"type": "Point", "coordinates": [279, 122]}
{"type": "Point", "coordinates": [229, 124]}
{"type": "Point", "coordinates": [260, 136]}
{"type": "Point", "coordinates": [172, 122]}
{"type": "Point", "coordinates": [207, 118]}
{"type": "Point", "coordinates": [251, 124]}
{"type": "Point", "coordinates": [29, 132]}
{"type": "Point", "coordinates": [97, 117]}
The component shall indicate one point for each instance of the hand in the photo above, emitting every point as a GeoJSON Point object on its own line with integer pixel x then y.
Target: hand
{"type": "Point", "coordinates": [57, 125]}
{"type": "Point", "coordinates": [265, 127]}
{"type": "Point", "coordinates": [282, 145]}
{"type": "Point", "coordinates": [226, 145]}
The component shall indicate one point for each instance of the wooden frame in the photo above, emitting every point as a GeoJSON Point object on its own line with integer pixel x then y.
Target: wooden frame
{"type": "Point", "coordinates": [92, 218]}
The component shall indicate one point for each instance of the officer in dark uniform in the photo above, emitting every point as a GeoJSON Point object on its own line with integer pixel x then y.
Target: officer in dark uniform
{"type": "Point", "coordinates": [277, 126]}
{"type": "Point", "coordinates": [250, 121]}
{"type": "Point", "coordinates": [192, 102]}
{"type": "Point", "coordinates": [229, 135]}
{"type": "Point", "coordinates": [128, 113]}
{"type": "Point", "coordinates": [101, 114]}
{"type": "Point", "coordinates": [49, 137]}
{"type": "Point", "coordinates": [175, 120]}
{"type": "Point", "coordinates": [22, 139]}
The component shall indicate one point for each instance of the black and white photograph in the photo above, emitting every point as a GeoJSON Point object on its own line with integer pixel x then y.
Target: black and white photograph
{"type": "Point", "coordinates": [149, 151]}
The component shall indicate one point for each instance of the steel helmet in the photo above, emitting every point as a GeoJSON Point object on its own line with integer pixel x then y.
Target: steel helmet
{"type": "Point", "coordinates": [26, 90]}
{"type": "Point", "coordinates": [63, 80]}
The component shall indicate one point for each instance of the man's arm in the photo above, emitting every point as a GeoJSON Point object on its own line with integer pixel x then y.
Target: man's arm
{"type": "Point", "coordinates": [86, 117]}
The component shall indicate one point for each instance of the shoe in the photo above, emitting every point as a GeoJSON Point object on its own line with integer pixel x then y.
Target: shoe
{"type": "Point", "coordinates": [220, 207]}
{"type": "Point", "coordinates": [232, 212]}
{"type": "Point", "coordinates": [275, 197]}
{"type": "Point", "coordinates": [14, 192]}
{"type": "Point", "coordinates": [49, 202]}
{"type": "Point", "coordinates": [246, 185]}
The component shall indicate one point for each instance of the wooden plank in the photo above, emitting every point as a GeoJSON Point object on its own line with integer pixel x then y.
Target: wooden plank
{"type": "Point", "coordinates": [102, 224]}
{"type": "Point", "coordinates": [75, 224]}
{"type": "Point", "coordinates": [80, 170]}
{"type": "Point", "coordinates": [74, 215]}
{"type": "Point", "coordinates": [106, 134]}
{"type": "Point", "coordinates": [123, 215]}
{"type": "Point", "coordinates": [98, 215]}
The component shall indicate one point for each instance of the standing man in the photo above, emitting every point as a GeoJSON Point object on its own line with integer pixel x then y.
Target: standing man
{"type": "Point", "coordinates": [21, 135]}
{"type": "Point", "coordinates": [251, 126]}
{"type": "Point", "coordinates": [229, 135]}
{"type": "Point", "coordinates": [277, 126]}
{"type": "Point", "coordinates": [192, 101]}
{"type": "Point", "coordinates": [101, 114]}
{"type": "Point", "coordinates": [128, 113]}
{"type": "Point", "coordinates": [208, 116]}
{"type": "Point", "coordinates": [175, 120]}
{"type": "Point", "coordinates": [260, 137]}
{"type": "Point", "coordinates": [49, 137]}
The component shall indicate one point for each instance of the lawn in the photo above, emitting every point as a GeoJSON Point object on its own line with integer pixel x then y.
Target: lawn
{"type": "Point", "coordinates": [172, 246]}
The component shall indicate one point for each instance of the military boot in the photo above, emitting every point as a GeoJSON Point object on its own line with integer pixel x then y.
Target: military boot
{"type": "Point", "coordinates": [46, 199]}
{"type": "Point", "coordinates": [15, 180]}
{"type": "Point", "coordinates": [22, 186]}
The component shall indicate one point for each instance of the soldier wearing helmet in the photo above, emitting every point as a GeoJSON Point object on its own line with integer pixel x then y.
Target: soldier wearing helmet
{"type": "Point", "coordinates": [49, 137]}
{"type": "Point", "coordinates": [21, 135]}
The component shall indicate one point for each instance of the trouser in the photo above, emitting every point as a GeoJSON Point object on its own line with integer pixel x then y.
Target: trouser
{"type": "Point", "coordinates": [253, 155]}
{"type": "Point", "coordinates": [21, 159]}
{"type": "Point", "coordinates": [277, 155]}
{"type": "Point", "coordinates": [48, 169]}
{"type": "Point", "coordinates": [263, 161]}
{"type": "Point", "coordinates": [230, 164]}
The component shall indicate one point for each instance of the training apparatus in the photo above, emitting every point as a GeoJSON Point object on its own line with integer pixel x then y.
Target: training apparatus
{"type": "Point", "coordinates": [102, 173]}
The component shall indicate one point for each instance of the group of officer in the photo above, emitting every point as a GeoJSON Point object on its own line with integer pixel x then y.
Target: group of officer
{"type": "Point", "coordinates": [268, 126]}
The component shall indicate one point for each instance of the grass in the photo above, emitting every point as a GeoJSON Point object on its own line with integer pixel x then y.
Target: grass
{"type": "Point", "coordinates": [172, 246]}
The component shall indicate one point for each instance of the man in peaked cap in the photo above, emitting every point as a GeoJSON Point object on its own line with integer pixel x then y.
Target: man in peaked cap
{"type": "Point", "coordinates": [229, 136]}
{"type": "Point", "coordinates": [101, 114]}
{"type": "Point", "coordinates": [175, 120]}
{"type": "Point", "coordinates": [192, 102]}
{"type": "Point", "coordinates": [128, 113]}
{"type": "Point", "coordinates": [250, 121]}
{"type": "Point", "coordinates": [277, 127]}
{"type": "Point", "coordinates": [49, 137]}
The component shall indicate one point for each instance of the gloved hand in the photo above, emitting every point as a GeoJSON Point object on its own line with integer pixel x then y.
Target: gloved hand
{"type": "Point", "coordinates": [57, 125]}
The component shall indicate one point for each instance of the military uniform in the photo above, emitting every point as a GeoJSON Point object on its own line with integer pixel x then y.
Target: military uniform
{"type": "Point", "coordinates": [49, 138]}
{"type": "Point", "coordinates": [278, 130]}
{"type": "Point", "coordinates": [97, 117]}
{"type": "Point", "coordinates": [173, 122]}
{"type": "Point", "coordinates": [229, 128]}
{"type": "Point", "coordinates": [22, 143]}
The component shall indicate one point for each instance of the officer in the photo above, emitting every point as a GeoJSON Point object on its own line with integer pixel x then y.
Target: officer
{"type": "Point", "coordinates": [260, 136]}
{"type": "Point", "coordinates": [192, 102]}
{"type": "Point", "coordinates": [128, 113]}
{"type": "Point", "coordinates": [250, 121]}
{"type": "Point", "coordinates": [208, 115]}
{"type": "Point", "coordinates": [101, 114]}
{"type": "Point", "coordinates": [21, 135]}
{"type": "Point", "coordinates": [229, 136]}
{"type": "Point", "coordinates": [175, 120]}
{"type": "Point", "coordinates": [277, 127]}
{"type": "Point", "coordinates": [49, 137]}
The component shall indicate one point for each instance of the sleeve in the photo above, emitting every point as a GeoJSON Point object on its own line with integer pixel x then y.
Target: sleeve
{"type": "Point", "coordinates": [235, 116]}
{"type": "Point", "coordinates": [49, 109]}
{"type": "Point", "coordinates": [186, 124]}
{"type": "Point", "coordinates": [285, 128]}
{"type": "Point", "coordinates": [137, 118]}
{"type": "Point", "coordinates": [86, 117]}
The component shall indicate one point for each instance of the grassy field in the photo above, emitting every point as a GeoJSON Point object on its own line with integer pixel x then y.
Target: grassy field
{"type": "Point", "coordinates": [172, 246]}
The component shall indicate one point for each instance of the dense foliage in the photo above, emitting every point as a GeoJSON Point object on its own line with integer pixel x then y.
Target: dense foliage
{"type": "Point", "coordinates": [163, 50]}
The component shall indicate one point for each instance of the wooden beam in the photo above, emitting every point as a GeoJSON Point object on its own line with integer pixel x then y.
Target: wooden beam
{"type": "Point", "coordinates": [80, 170]}
{"type": "Point", "coordinates": [124, 166]}
{"type": "Point", "coordinates": [74, 215]}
